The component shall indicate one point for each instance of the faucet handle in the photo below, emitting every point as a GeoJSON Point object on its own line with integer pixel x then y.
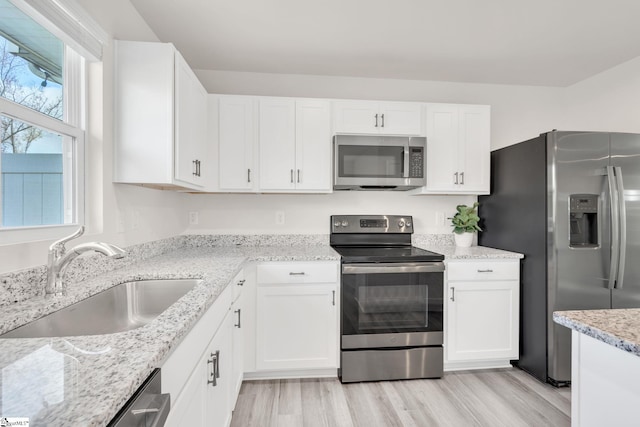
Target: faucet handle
{"type": "Point", "coordinates": [60, 243]}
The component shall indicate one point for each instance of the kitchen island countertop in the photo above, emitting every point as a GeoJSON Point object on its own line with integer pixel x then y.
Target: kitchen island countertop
{"type": "Point", "coordinates": [617, 327]}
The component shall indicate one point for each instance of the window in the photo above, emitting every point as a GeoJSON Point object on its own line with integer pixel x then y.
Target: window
{"type": "Point", "coordinates": [41, 109]}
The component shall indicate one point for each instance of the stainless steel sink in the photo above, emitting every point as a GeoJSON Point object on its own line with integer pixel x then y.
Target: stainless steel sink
{"type": "Point", "coordinates": [124, 307]}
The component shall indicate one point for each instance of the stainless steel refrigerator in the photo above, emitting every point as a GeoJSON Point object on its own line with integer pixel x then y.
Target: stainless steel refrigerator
{"type": "Point", "coordinates": [570, 202]}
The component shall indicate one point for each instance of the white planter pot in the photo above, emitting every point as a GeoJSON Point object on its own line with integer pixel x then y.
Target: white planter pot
{"type": "Point", "coordinates": [463, 240]}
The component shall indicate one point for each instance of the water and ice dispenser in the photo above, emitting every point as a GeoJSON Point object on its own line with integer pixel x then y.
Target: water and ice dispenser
{"type": "Point", "coordinates": [583, 220]}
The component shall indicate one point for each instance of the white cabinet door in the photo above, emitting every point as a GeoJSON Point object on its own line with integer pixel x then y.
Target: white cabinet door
{"type": "Point", "coordinates": [482, 320]}
{"type": "Point", "coordinates": [458, 149]}
{"type": "Point", "coordinates": [220, 365]}
{"type": "Point", "coordinates": [296, 327]}
{"type": "Point", "coordinates": [371, 117]}
{"type": "Point", "coordinates": [190, 406]}
{"type": "Point", "coordinates": [400, 118]}
{"type": "Point", "coordinates": [313, 145]}
{"type": "Point", "coordinates": [238, 310]}
{"type": "Point", "coordinates": [356, 117]}
{"type": "Point", "coordinates": [475, 148]}
{"type": "Point", "coordinates": [160, 118]}
{"type": "Point", "coordinates": [190, 124]}
{"type": "Point", "coordinates": [277, 144]}
{"type": "Point", "coordinates": [205, 399]}
{"type": "Point", "coordinates": [236, 143]}
{"type": "Point", "coordinates": [442, 146]}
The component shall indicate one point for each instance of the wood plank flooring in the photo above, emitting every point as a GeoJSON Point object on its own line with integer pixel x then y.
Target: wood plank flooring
{"type": "Point", "coordinates": [497, 397]}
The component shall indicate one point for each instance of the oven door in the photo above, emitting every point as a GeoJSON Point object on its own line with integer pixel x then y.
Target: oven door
{"type": "Point", "coordinates": [392, 305]}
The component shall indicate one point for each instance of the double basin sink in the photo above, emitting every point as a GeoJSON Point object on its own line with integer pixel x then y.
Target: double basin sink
{"type": "Point", "coordinates": [121, 308]}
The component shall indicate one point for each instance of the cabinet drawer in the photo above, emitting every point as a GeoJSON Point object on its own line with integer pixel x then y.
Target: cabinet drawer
{"type": "Point", "coordinates": [483, 270]}
{"type": "Point", "coordinates": [293, 272]}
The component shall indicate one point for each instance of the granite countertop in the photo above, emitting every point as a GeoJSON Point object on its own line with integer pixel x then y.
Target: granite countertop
{"type": "Point", "coordinates": [474, 252]}
{"type": "Point", "coordinates": [617, 327]}
{"type": "Point", "coordinates": [53, 381]}
{"type": "Point", "coordinates": [84, 381]}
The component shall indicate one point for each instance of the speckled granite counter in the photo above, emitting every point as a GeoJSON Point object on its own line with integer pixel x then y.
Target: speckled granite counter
{"type": "Point", "coordinates": [617, 327]}
{"type": "Point", "coordinates": [474, 252]}
{"type": "Point", "coordinates": [84, 381]}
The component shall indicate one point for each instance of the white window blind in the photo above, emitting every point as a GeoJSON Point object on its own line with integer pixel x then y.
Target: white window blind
{"type": "Point", "coordinates": [67, 20]}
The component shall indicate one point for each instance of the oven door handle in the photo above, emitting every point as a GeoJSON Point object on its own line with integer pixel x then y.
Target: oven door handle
{"type": "Point", "coordinates": [390, 267]}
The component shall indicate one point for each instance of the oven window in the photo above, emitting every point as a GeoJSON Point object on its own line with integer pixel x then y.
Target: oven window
{"type": "Point", "coordinates": [364, 161]}
{"type": "Point", "coordinates": [391, 302]}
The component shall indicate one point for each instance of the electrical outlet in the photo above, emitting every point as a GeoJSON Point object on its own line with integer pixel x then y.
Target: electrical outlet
{"type": "Point", "coordinates": [193, 218]}
{"type": "Point", "coordinates": [279, 217]}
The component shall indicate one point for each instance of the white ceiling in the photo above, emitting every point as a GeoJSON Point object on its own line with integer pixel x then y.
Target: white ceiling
{"type": "Point", "coordinates": [524, 42]}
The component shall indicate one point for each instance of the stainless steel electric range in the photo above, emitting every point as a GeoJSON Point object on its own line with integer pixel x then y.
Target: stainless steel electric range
{"type": "Point", "coordinates": [391, 298]}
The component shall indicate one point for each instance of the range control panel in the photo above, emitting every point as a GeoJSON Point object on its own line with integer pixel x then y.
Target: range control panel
{"type": "Point", "coordinates": [371, 224]}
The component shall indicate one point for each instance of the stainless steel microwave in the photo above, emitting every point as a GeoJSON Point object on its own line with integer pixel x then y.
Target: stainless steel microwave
{"type": "Point", "coordinates": [371, 162]}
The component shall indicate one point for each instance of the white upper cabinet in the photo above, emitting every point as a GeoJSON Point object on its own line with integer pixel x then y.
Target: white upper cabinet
{"type": "Point", "coordinates": [370, 117]}
{"type": "Point", "coordinates": [295, 145]}
{"type": "Point", "coordinates": [458, 149]}
{"type": "Point", "coordinates": [236, 141]}
{"type": "Point", "coordinates": [313, 145]}
{"type": "Point", "coordinates": [160, 118]}
{"type": "Point", "coordinates": [277, 141]}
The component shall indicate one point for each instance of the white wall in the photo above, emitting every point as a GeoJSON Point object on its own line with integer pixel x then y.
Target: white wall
{"type": "Point", "coordinates": [609, 101]}
{"type": "Point", "coordinates": [155, 214]}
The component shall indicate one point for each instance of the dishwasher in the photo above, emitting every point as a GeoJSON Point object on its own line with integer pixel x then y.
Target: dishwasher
{"type": "Point", "coordinates": [147, 407]}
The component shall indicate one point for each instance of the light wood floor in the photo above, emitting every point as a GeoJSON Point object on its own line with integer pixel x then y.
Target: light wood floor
{"type": "Point", "coordinates": [497, 397]}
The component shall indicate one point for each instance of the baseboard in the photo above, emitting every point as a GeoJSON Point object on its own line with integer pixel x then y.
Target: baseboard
{"type": "Point", "coordinates": [289, 374]}
{"type": "Point", "coordinates": [482, 364]}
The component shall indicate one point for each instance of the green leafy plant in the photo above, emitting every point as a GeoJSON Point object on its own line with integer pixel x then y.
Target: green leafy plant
{"type": "Point", "coordinates": [466, 219]}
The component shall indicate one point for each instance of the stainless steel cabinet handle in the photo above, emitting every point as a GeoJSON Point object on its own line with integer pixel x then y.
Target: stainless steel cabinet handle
{"type": "Point", "coordinates": [376, 120]}
{"type": "Point", "coordinates": [333, 297]}
{"type": "Point", "coordinates": [241, 282]}
{"type": "Point", "coordinates": [248, 175]}
{"type": "Point", "coordinates": [453, 293]}
{"type": "Point", "coordinates": [382, 120]}
{"type": "Point", "coordinates": [195, 168]}
{"type": "Point", "coordinates": [217, 363]}
{"type": "Point", "coordinates": [212, 376]}
{"type": "Point", "coordinates": [293, 273]}
{"type": "Point", "coordinates": [461, 178]}
{"type": "Point", "coordinates": [239, 314]}
{"type": "Point", "coordinates": [456, 178]}
{"type": "Point", "coordinates": [298, 176]}
{"type": "Point", "coordinates": [199, 164]}
{"type": "Point", "coordinates": [292, 176]}
{"type": "Point", "coordinates": [485, 271]}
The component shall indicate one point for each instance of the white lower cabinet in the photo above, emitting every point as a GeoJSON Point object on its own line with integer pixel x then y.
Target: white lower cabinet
{"type": "Point", "coordinates": [199, 374]}
{"type": "Point", "coordinates": [482, 313]}
{"type": "Point", "coordinates": [297, 317]}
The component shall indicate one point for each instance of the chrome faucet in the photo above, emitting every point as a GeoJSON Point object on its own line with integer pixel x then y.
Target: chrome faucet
{"type": "Point", "coordinates": [59, 259]}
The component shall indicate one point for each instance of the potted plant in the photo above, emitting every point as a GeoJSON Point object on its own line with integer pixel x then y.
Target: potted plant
{"type": "Point", "coordinates": [465, 224]}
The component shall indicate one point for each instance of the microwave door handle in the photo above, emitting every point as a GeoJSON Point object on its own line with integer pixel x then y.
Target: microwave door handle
{"type": "Point", "coordinates": [405, 163]}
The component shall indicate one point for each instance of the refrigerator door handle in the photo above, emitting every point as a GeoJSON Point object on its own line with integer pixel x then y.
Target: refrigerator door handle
{"type": "Point", "coordinates": [615, 227]}
{"type": "Point", "coordinates": [622, 214]}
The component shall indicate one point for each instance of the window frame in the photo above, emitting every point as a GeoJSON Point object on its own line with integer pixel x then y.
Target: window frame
{"type": "Point", "coordinates": [73, 126]}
